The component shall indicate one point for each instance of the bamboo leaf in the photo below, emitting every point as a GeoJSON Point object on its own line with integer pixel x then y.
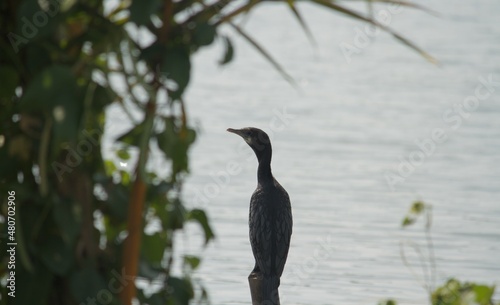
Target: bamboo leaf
{"type": "Point", "coordinates": [200, 217]}
{"type": "Point", "coordinates": [264, 53]}
{"type": "Point", "coordinates": [356, 15]}
{"type": "Point", "coordinates": [229, 52]}
{"type": "Point", "coordinates": [302, 22]}
{"type": "Point", "coordinates": [406, 4]}
{"type": "Point", "coordinates": [208, 12]}
{"type": "Point", "coordinates": [242, 9]}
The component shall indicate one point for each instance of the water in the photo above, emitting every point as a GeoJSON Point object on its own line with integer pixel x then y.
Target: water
{"type": "Point", "coordinates": [349, 125]}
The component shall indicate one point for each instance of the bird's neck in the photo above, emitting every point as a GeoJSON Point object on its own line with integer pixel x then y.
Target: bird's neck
{"type": "Point", "coordinates": [264, 175]}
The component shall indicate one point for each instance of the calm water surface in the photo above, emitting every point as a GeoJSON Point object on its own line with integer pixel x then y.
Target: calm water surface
{"type": "Point", "coordinates": [347, 128]}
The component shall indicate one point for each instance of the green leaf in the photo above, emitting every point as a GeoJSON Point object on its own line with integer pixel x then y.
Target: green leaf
{"type": "Point", "coordinates": [204, 34]}
{"type": "Point", "coordinates": [154, 299]}
{"type": "Point", "coordinates": [86, 283]}
{"type": "Point", "coordinates": [153, 247]}
{"type": "Point", "coordinates": [228, 53]}
{"type": "Point", "coordinates": [454, 292]}
{"type": "Point", "coordinates": [484, 294]}
{"type": "Point", "coordinates": [10, 80]}
{"type": "Point", "coordinates": [176, 215]}
{"type": "Point", "coordinates": [123, 154]}
{"type": "Point", "coordinates": [54, 86]}
{"type": "Point", "coordinates": [149, 270]}
{"type": "Point", "coordinates": [141, 11]}
{"type": "Point", "coordinates": [54, 93]}
{"type": "Point", "coordinates": [153, 53]}
{"type": "Point", "coordinates": [57, 255]}
{"type": "Point", "coordinates": [25, 11]}
{"type": "Point", "coordinates": [204, 296]}
{"type": "Point", "coordinates": [417, 207]}
{"type": "Point", "coordinates": [125, 177]}
{"type": "Point", "coordinates": [192, 261]}
{"type": "Point", "coordinates": [37, 58]}
{"type": "Point", "coordinates": [65, 214]}
{"type": "Point", "coordinates": [408, 221]}
{"type": "Point", "coordinates": [110, 167]}
{"type": "Point", "coordinates": [159, 190]}
{"type": "Point", "coordinates": [36, 285]}
{"type": "Point", "coordinates": [113, 229]}
{"type": "Point", "coordinates": [118, 201]}
{"type": "Point", "coordinates": [176, 66]}
{"type": "Point", "coordinates": [200, 217]}
{"type": "Point", "coordinates": [102, 97]}
{"type": "Point", "coordinates": [133, 136]}
{"type": "Point", "coordinates": [175, 144]}
{"type": "Point", "coordinates": [181, 290]}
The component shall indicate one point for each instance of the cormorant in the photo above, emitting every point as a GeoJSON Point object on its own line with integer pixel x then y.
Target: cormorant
{"type": "Point", "coordinates": [270, 218]}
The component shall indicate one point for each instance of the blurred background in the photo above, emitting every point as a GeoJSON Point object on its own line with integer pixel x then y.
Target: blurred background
{"type": "Point", "coordinates": [337, 138]}
{"type": "Point", "coordinates": [362, 126]}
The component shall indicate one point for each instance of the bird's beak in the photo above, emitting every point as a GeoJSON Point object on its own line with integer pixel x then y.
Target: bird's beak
{"type": "Point", "coordinates": [235, 131]}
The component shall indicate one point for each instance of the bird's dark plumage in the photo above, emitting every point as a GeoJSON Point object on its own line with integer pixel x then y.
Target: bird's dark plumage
{"type": "Point", "coordinates": [270, 218]}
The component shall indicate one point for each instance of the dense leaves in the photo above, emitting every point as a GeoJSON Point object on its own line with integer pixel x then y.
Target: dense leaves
{"type": "Point", "coordinates": [454, 292]}
{"type": "Point", "coordinates": [82, 216]}
{"type": "Point", "coordinates": [73, 205]}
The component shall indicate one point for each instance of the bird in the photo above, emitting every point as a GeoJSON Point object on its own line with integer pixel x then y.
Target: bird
{"type": "Point", "coordinates": [270, 218]}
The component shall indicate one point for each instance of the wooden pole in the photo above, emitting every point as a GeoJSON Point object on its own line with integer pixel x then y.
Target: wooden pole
{"type": "Point", "coordinates": [255, 282]}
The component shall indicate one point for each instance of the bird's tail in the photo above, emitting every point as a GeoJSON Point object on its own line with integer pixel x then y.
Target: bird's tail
{"type": "Point", "coordinates": [270, 295]}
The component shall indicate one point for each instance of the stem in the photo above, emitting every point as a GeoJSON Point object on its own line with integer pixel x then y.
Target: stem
{"type": "Point", "coordinates": [42, 158]}
{"type": "Point", "coordinates": [430, 247]}
{"type": "Point", "coordinates": [131, 248]}
{"type": "Point", "coordinates": [167, 18]}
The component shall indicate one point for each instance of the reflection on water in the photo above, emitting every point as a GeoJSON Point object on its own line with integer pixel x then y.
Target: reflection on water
{"type": "Point", "coordinates": [347, 129]}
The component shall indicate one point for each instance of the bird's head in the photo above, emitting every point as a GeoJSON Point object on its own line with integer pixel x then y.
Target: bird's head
{"type": "Point", "coordinates": [256, 138]}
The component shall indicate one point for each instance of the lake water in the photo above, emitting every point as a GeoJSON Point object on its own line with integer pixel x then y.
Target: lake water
{"type": "Point", "coordinates": [345, 131]}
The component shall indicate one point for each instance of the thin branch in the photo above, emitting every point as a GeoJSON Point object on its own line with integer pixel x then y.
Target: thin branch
{"type": "Point", "coordinates": [264, 53]}
{"type": "Point", "coordinates": [408, 265]}
{"type": "Point", "coordinates": [168, 10]}
{"type": "Point", "coordinates": [430, 246]}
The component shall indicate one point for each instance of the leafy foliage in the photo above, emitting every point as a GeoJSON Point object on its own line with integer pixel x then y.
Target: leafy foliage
{"type": "Point", "coordinates": [80, 219]}
{"type": "Point", "coordinates": [453, 292]}
{"type": "Point", "coordinates": [416, 209]}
